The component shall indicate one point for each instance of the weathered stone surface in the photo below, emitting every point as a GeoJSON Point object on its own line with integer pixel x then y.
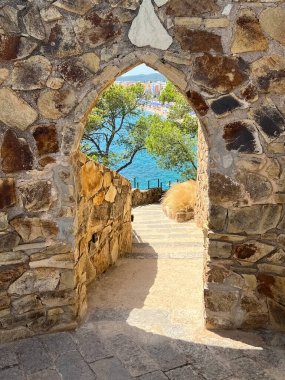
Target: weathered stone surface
{"type": "Point", "coordinates": [73, 73]}
{"type": "Point", "coordinates": [4, 73]}
{"type": "Point", "coordinates": [189, 8]}
{"type": "Point", "coordinates": [55, 83]}
{"type": "Point", "coordinates": [8, 241]}
{"type": "Point", "coordinates": [10, 273]}
{"type": "Point", "coordinates": [257, 186]}
{"type": "Point", "coordinates": [223, 189]}
{"type": "Point", "coordinates": [56, 104]}
{"type": "Point", "coordinates": [255, 219]}
{"type": "Point", "coordinates": [31, 74]}
{"type": "Point", "coordinates": [62, 41]}
{"type": "Point", "coordinates": [4, 300]}
{"type": "Point", "coordinates": [91, 61]}
{"type": "Point", "coordinates": [91, 179]}
{"type": "Point", "coordinates": [197, 41]}
{"type": "Point", "coordinates": [272, 21]}
{"type": "Point", "coordinates": [50, 14]}
{"type": "Point", "coordinates": [217, 217]}
{"type": "Point", "coordinates": [93, 30]}
{"type": "Point", "coordinates": [242, 137]}
{"type": "Point", "coordinates": [13, 258]}
{"type": "Point", "coordinates": [15, 153]}
{"type": "Point", "coordinates": [248, 35]}
{"type": "Point", "coordinates": [271, 286]}
{"type": "Point", "coordinates": [3, 221]}
{"type": "Point", "coordinates": [111, 194]}
{"type": "Point", "coordinates": [276, 313]}
{"type": "Point", "coordinates": [269, 73]}
{"type": "Point", "coordinates": [219, 73]}
{"type": "Point", "coordinates": [23, 114]}
{"type": "Point", "coordinates": [36, 195]}
{"type": "Point", "coordinates": [145, 26]}
{"type": "Point", "coordinates": [249, 93]}
{"type": "Point", "coordinates": [220, 300]}
{"type": "Point", "coordinates": [270, 120]}
{"type": "Point", "coordinates": [34, 281]}
{"type": "Point", "coordinates": [198, 102]}
{"type": "Point", "coordinates": [33, 23]}
{"type": "Point", "coordinates": [219, 249]}
{"type": "Point", "coordinates": [26, 47]}
{"type": "Point", "coordinates": [79, 7]}
{"type": "Point", "coordinates": [34, 228]}
{"type": "Point", "coordinates": [46, 139]}
{"type": "Point", "coordinates": [222, 22]}
{"type": "Point", "coordinates": [26, 303]}
{"type": "Point", "coordinates": [252, 251]}
{"type": "Point", "coordinates": [9, 46]}
{"type": "Point", "coordinates": [225, 104]}
{"type": "Point", "coordinates": [8, 196]}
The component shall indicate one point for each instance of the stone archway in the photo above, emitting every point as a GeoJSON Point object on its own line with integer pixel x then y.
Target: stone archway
{"type": "Point", "coordinates": [228, 61]}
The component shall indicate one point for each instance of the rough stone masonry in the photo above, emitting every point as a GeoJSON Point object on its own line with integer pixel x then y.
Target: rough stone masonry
{"type": "Point", "coordinates": [227, 58]}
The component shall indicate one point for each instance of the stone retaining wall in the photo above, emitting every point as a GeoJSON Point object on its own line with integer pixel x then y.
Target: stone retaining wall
{"type": "Point", "coordinates": [103, 223]}
{"type": "Point", "coordinates": [146, 197]}
{"type": "Point", "coordinates": [56, 58]}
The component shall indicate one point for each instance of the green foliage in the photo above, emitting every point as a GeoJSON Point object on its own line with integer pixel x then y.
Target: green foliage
{"type": "Point", "coordinates": [118, 119]}
{"type": "Point", "coordinates": [112, 121]}
{"type": "Point", "coordinates": [169, 94]}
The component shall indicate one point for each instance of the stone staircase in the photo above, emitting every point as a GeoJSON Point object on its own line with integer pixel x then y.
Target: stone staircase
{"type": "Point", "coordinates": [154, 235]}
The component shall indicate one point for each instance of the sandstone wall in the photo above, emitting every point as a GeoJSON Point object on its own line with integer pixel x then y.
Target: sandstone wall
{"type": "Point", "coordinates": [56, 58]}
{"type": "Point", "coordinates": [103, 222]}
{"type": "Point", "coordinates": [146, 197]}
{"type": "Point", "coordinates": [202, 198]}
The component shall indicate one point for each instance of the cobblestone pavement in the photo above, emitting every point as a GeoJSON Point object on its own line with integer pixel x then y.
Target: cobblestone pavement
{"type": "Point", "coordinates": [145, 321]}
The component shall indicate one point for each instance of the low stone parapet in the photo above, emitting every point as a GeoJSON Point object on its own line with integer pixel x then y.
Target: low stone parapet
{"type": "Point", "coordinates": [146, 197]}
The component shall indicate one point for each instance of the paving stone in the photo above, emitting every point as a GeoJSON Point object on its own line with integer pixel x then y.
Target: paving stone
{"type": "Point", "coordinates": [110, 368]}
{"type": "Point", "coordinates": [183, 373]}
{"type": "Point", "coordinates": [203, 361]}
{"type": "Point", "coordinates": [33, 356]}
{"type": "Point", "coordinates": [58, 343]}
{"type": "Point", "coordinates": [46, 374]}
{"type": "Point", "coordinates": [157, 375]}
{"type": "Point", "coordinates": [71, 366]}
{"type": "Point", "coordinates": [133, 357]}
{"type": "Point", "coordinates": [13, 373]}
{"type": "Point", "coordinates": [8, 358]}
{"type": "Point", "coordinates": [90, 345]}
{"type": "Point", "coordinates": [165, 355]}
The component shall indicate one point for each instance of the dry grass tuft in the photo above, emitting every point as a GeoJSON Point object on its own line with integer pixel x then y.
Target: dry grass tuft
{"type": "Point", "coordinates": [179, 199]}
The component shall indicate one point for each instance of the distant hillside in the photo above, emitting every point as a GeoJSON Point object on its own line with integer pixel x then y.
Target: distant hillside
{"type": "Point", "coordinates": [155, 77]}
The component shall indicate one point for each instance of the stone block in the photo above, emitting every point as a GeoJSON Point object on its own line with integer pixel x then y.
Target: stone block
{"type": "Point", "coordinates": [54, 104]}
{"type": "Point", "coordinates": [182, 8]}
{"type": "Point", "coordinates": [8, 241]}
{"type": "Point", "coordinates": [268, 72]}
{"type": "Point", "coordinates": [275, 29]}
{"type": "Point", "coordinates": [16, 154]}
{"type": "Point", "coordinates": [7, 193]}
{"type": "Point", "coordinates": [46, 139]}
{"type": "Point", "coordinates": [241, 136]}
{"type": "Point", "coordinates": [197, 41]}
{"type": "Point", "coordinates": [219, 249]}
{"type": "Point", "coordinates": [39, 280]}
{"type": "Point", "coordinates": [252, 251]}
{"type": "Point", "coordinates": [33, 228]}
{"type": "Point", "coordinates": [36, 195]}
{"type": "Point", "coordinates": [248, 34]}
{"type": "Point", "coordinates": [31, 74]}
{"type": "Point", "coordinates": [23, 114]}
{"type": "Point", "coordinates": [223, 189]}
{"type": "Point", "coordinates": [219, 73]}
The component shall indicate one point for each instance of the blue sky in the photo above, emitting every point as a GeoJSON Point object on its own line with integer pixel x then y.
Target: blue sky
{"type": "Point", "coordinates": [141, 69]}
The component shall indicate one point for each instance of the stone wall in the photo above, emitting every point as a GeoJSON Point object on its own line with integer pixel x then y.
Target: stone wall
{"type": "Point", "coordinates": [103, 227]}
{"type": "Point", "coordinates": [202, 200]}
{"type": "Point", "coordinates": [146, 197]}
{"type": "Point", "coordinates": [56, 58]}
